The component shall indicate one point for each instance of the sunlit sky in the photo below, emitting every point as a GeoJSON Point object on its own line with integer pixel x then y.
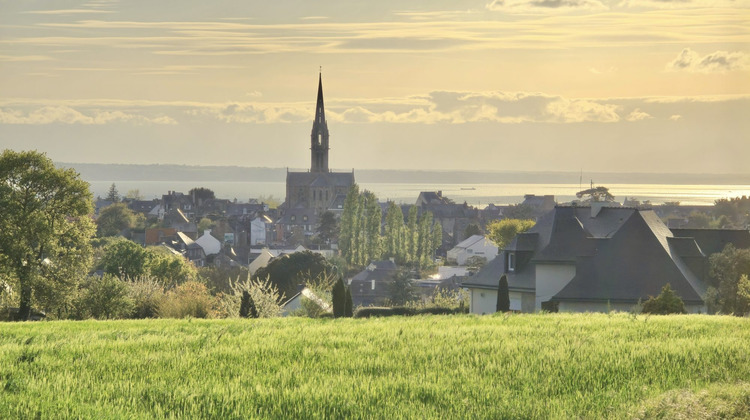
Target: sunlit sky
{"type": "Point", "coordinates": [521, 85]}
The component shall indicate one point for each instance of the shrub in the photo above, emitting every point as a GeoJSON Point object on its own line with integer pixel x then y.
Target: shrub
{"type": "Point", "coordinates": [666, 303]}
{"type": "Point", "coordinates": [105, 297]}
{"type": "Point", "coordinates": [247, 306]}
{"type": "Point", "coordinates": [503, 295]}
{"type": "Point", "coordinates": [146, 294]}
{"type": "Point", "coordinates": [265, 296]}
{"type": "Point", "coordinates": [348, 307]}
{"type": "Point", "coordinates": [339, 298]}
{"type": "Point", "coordinates": [188, 299]}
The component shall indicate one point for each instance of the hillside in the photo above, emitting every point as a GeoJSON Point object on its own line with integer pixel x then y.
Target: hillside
{"type": "Point", "coordinates": [517, 366]}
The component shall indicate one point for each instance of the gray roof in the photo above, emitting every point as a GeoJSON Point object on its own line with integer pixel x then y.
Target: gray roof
{"type": "Point", "coordinates": [488, 277]}
{"type": "Point", "coordinates": [712, 241]}
{"type": "Point", "coordinates": [320, 179]}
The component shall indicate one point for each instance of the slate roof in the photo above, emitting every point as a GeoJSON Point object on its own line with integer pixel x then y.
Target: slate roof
{"type": "Point", "coordinates": [712, 241]}
{"type": "Point", "coordinates": [336, 179]}
{"type": "Point", "coordinates": [635, 263]}
{"type": "Point", "coordinates": [488, 277]}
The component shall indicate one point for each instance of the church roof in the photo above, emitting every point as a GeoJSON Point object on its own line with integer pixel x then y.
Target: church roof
{"type": "Point", "coordinates": [320, 179]}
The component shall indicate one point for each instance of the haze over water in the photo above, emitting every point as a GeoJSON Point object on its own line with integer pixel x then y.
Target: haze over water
{"type": "Point", "coordinates": [475, 194]}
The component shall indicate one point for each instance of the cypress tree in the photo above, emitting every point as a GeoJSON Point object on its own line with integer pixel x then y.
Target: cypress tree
{"type": "Point", "coordinates": [503, 295]}
{"type": "Point", "coordinates": [348, 307]}
{"type": "Point", "coordinates": [338, 295]}
{"type": "Point", "coordinates": [245, 304]}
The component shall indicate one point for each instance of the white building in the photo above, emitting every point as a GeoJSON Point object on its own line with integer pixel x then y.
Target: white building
{"type": "Point", "coordinates": [473, 246]}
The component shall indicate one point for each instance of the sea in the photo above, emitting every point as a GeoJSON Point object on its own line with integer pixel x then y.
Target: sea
{"type": "Point", "coordinates": [479, 195]}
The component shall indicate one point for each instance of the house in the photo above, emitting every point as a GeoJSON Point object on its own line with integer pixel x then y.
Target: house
{"type": "Point", "coordinates": [371, 286]}
{"type": "Point", "coordinates": [191, 250]}
{"type": "Point", "coordinates": [453, 218]}
{"type": "Point", "coordinates": [210, 245]}
{"type": "Point", "coordinates": [260, 260]}
{"type": "Point", "coordinates": [473, 246]}
{"type": "Point", "coordinates": [596, 258]}
{"type": "Point", "coordinates": [258, 228]}
{"type": "Point", "coordinates": [155, 236]}
{"type": "Point", "coordinates": [539, 204]}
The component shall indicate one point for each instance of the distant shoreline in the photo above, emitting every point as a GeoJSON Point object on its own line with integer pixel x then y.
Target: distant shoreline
{"type": "Point", "coordinates": [155, 172]}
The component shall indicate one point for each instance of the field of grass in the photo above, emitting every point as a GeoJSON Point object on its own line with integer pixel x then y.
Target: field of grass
{"type": "Point", "coordinates": [461, 366]}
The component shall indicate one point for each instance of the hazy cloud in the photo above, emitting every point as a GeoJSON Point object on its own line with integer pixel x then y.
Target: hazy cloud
{"type": "Point", "coordinates": [542, 5]}
{"type": "Point", "coordinates": [638, 115]}
{"type": "Point", "coordinates": [67, 115]}
{"type": "Point", "coordinates": [675, 117]}
{"type": "Point", "coordinates": [716, 62]}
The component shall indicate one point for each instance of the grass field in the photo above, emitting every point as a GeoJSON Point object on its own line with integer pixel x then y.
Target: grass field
{"type": "Point", "coordinates": [517, 366]}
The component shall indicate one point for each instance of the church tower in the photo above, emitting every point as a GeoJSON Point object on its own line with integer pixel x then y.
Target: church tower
{"type": "Point", "coordinates": [319, 136]}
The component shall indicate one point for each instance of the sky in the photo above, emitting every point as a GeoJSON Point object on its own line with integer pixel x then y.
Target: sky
{"type": "Point", "coordinates": [658, 86]}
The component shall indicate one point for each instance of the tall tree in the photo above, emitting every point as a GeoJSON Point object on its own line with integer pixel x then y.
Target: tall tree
{"type": "Point", "coordinates": [402, 288]}
{"type": "Point", "coordinates": [113, 195]}
{"type": "Point", "coordinates": [394, 226]}
{"type": "Point", "coordinates": [425, 240]}
{"type": "Point", "coordinates": [45, 227]}
{"type": "Point", "coordinates": [200, 194]}
{"type": "Point", "coordinates": [338, 298]}
{"type": "Point", "coordinates": [289, 272]}
{"type": "Point", "coordinates": [328, 228]}
{"type": "Point", "coordinates": [114, 219]}
{"type": "Point", "coordinates": [348, 224]}
{"type": "Point", "coordinates": [412, 236]}
{"type": "Point", "coordinates": [348, 306]}
{"type": "Point", "coordinates": [503, 295]}
{"type": "Point", "coordinates": [373, 215]}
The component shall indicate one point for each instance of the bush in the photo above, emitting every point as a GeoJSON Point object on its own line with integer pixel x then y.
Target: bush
{"type": "Point", "coordinates": [188, 299]}
{"type": "Point", "coordinates": [146, 294]}
{"type": "Point", "coordinates": [666, 303]}
{"type": "Point", "coordinates": [339, 298]}
{"type": "Point", "coordinates": [105, 297]}
{"type": "Point", "coordinates": [265, 296]}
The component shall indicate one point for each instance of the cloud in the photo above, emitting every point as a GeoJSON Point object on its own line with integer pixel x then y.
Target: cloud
{"type": "Point", "coordinates": [67, 115]}
{"type": "Point", "coordinates": [679, 4]}
{"type": "Point", "coordinates": [68, 12]}
{"type": "Point", "coordinates": [675, 117]}
{"type": "Point", "coordinates": [716, 62]}
{"type": "Point", "coordinates": [545, 5]}
{"type": "Point", "coordinates": [638, 115]}
{"type": "Point", "coordinates": [25, 58]}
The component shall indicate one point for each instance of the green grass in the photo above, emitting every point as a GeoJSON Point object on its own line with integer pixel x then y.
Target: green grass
{"type": "Point", "coordinates": [518, 366]}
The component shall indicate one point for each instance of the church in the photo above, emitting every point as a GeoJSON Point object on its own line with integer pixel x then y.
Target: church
{"type": "Point", "coordinates": [309, 194]}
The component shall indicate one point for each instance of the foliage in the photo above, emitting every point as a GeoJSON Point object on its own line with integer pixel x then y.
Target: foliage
{"type": "Point", "coordinates": [475, 262]}
{"type": "Point", "coordinates": [698, 220]}
{"type": "Point", "coordinates": [265, 296]}
{"type": "Point", "coordinates": [725, 271]}
{"type": "Point", "coordinates": [503, 294]}
{"type": "Point", "coordinates": [204, 224]}
{"type": "Point", "coordinates": [402, 288]}
{"type": "Point", "coordinates": [125, 259]}
{"type": "Point", "coordinates": [321, 288]}
{"type": "Point", "coordinates": [502, 232]}
{"type": "Point", "coordinates": [218, 279]}
{"type": "Point", "coordinates": [247, 306]}
{"type": "Point", "coordinates": [113, 195]}
{"type": "Point", "coordinates": [45, 229]}
{"type": "Point", "coordinates": [270, 200]}
{"type": "Point", "coordinates": [668, 302]}
{"type": "Point", "coordinates": [471, 230]}
{"type": "Point", "coordinates": [348, 304]}
{"type": "Point", "coordinates": [146, 294]}
{"type": "Point", "coordinates": [432, 367]}
{"type": "Point", "coordinates": [115, 218]}
{"type": "Point", "coordinates": [328, 229]}
{"type": "Point", "coordinates": [338, 295]}
{"type": "Point", "coordinates": [170, 269]}
{"type": "Point", "coordinates": [743, 295]}
{"type": "Point", "coordinates": [290, 271]}
{"type": "Point", "coordinates": [190, 299]}
{"type": "Point", "coordinates": [134, 194]}
{"type": "Point", "coordinates": [105, 297]}
{"type": "Point", "coordinates": [200, 194]}
{"type": "Point", "coordinates": [359, 238]}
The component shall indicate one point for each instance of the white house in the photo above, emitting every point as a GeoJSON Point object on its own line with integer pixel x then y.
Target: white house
{"type": "Point", "coordinates": [209, 244]}
{"type": "Point", "coordinates": [473, 246]}
{"type": "Point", "coordinates": [258, 230]}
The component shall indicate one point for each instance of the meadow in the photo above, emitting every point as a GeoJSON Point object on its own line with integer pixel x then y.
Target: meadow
{"type": "Point", "coordinates": [458, 366]}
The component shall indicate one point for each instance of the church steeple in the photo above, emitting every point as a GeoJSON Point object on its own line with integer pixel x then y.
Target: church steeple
{"type": "Point", "coordinates": [319, 137]}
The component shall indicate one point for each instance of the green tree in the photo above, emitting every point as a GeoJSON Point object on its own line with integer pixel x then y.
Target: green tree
{"type": "Point", "coordinates": [501, 232]}
{"type": "Point", "coordinates": [338, 295]}
{"type": "Point", "coordinates": [471, 230]}
{"type": "Point", "coordinates": [113, 195]}
{"type": "Point", "coordinates": [247, 306]}
{"type": "Point", "coordinates": [743, 295]}
{"type": "Point", "coordinates": [126, 259]}
{"type": "Point", "coordinates": [170, 269]}
{"type": "Point", "coordinates": [725, 271]}
{"type": "Point", "coordinates": [666, 303]}
{"type": "Point", "coordinates": [698, 220]}
{"type": "Point", "coordinates": [373, 215]}
{"type": "Point", "coordinates": [348, 305]}
{"type": "Point", "coordinates": [402, 288]}
{"type": "Point", "coordinates": [412, 236]}
{"type": "Point", "coordinates": [348, 225]}
{"type": "Point", "coordinates": [45, 227]}
{"type": "Point", "coordinates": [200, 194]}
{"type": "Point", "coordinates": [106, 297]}
{"type": "Point", "coordinates": [503, 295]}
{"type": "Point", "coordinates": [394, 226]}
{"type": "Point", "coordinates": [114, 219]}
{"type": "Point", "coordinates": [519, 211]}
{"type": "Point", "coordinates": [328, 227]}
{"type": "Point", "coordinates": [291, 271]}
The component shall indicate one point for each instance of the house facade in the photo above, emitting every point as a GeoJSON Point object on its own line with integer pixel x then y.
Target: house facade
{"type": "Point", "coordinates": [473, 246]}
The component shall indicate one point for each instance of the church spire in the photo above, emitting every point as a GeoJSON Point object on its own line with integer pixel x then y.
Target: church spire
{"type": "Point", "coordinates": [319, 136]}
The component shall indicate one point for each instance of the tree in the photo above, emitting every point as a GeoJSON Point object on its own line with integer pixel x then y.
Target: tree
{"type": "Point", "coordinates": [698, 220]}
{"type": "Point", "coordinates": [106, 297]}
{"type": "Point", "coordinates": [412, 236]}
{"type": "Point", "coordinates": [338, 295]}
{"type": "Point", "coordinates": [471, 230]}
{"type": "Point", "coordinates": [113, 195]}
{"type": "Point", "coordinates": [725, 272]}
{"type": "Point", "coordinates": [503, 295]}
{"type": "Point", "coordinates": [328, 229]}
{"type": "Point", "coordinates": [134, 195]}
{"type": "Point", "coordinates": [170, 269]}
{"type": "Point", "coordinates": [475, 263]}
{"type": "Point", "coordinates": [45, 227]}
{"type": "Point", "coordinates": [114, 219]}
{"type": "Point", "coordinates": [519, 211]}
{"type": "Point", "coordinates": [394, 226]}
{"type": "Point", "coordinates": [743, 295]}
{"type": "Point", "coordinates": [348, 306]}
{"type": "Point", "coordinates": [666, 303]}
{"type": "Point", "coordinates": [200, 194]}
{"type": "Point", "coordinates": [247, 306]}
{"type": "Point", "coordinates": [501, 232]}
{"type": "Point", "coordinates": [290, 271]}
{"type": "Point", "coordinates": [402, 288]}
{"type": "Point", "coordinates": [126, 259]}
{"type": "Point", "coordinates": [348, 225]}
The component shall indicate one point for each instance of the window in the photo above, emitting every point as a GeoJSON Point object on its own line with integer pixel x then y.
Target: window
{"type": "Point", "coordinates": [293, 218]}
{"type": "Point", "coordinates": [511, 262]}
{"type": "Point", "coordinates": [304, 218]}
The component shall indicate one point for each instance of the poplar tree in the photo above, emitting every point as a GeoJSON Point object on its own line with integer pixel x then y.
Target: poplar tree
{"type": "Point", "coordinates": [394, 225]}
{"type": "Point", "coordinates": [412, 236]}
{"type": "Point", "coordinates": [348, 223]}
